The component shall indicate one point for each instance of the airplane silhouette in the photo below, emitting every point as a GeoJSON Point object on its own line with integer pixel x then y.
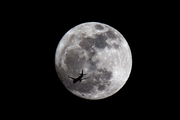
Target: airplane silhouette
{"type": "Point", "coordinates": [78, 78]}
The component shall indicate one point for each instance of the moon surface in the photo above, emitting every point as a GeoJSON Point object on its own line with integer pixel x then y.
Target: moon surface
{"type": "Point", "coordinates": [103, 54]}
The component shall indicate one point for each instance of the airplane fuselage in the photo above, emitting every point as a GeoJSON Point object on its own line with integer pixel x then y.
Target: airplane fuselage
{"type": "Point", "coordinates": [80, 78]}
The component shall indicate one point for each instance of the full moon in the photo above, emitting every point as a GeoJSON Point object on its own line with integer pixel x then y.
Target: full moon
{"type": "Point", "coordinates": [101, 52]}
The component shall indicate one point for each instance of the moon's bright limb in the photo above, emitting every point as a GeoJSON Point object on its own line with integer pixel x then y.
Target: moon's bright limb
{"type": "Point", "coordinates": [102, 52]}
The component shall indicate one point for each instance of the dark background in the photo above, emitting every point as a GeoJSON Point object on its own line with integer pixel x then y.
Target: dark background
{"type": "Point", "coordinates": [49, 93]}
{"type": "Point", "coordinates": [40, 28]}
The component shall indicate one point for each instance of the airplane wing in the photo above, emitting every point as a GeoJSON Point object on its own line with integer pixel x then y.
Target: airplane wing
{"type": "Point", "coordinates": [72, 78]}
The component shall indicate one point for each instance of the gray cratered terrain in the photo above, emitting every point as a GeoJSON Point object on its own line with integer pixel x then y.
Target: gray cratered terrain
{"type": "Point", "coordinates": [103, 54]}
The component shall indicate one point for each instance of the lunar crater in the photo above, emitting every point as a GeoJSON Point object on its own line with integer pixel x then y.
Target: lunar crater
{"type": "Point", "coordinates": [99, 27]}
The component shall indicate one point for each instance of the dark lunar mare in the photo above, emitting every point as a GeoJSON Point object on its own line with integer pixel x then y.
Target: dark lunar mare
{"type": "Point", "coordinates": [73, 61]}
{"type": "Point", "coordinates": [116, 45]}
{"type": "Point", "coordinates": [99, 42]}
{"type": "Point", "coordinates": [75, 64]}
{"type": "Point", "coordinates": [87, 43]}
{"type": "Point", "coordinates": [111, 34]}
